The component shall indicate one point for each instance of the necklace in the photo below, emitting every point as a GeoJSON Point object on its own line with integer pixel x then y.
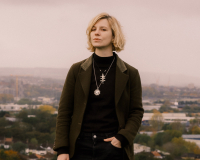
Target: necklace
{"type": "Point", "coordinates": [103, 78]}
{"type": "Point", "coordinates": [97, 91]}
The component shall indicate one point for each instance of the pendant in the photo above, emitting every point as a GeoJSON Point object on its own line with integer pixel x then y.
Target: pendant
{"type": "Point", "coordinates": [97, 92]}
{"type": "Point", "coordinates": [103, 78]}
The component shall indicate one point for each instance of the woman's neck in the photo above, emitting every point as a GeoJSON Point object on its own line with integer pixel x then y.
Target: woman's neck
{"type": "Point", "coordinates": [103, 52]}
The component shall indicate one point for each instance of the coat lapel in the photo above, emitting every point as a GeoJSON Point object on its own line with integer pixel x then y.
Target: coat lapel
{"type": "Point", "coordinates": [120, 78]}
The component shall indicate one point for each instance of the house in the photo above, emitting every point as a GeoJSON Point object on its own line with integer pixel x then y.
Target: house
{"type": "Point", "coordinates": [41, 151]}
{"type": "Point", "coordinates": [6, 142]}
{"type": "Point", "coordinates": [141, 148]}
{"type": "Point", "coordinates": [48, 148]}
{"type": "Point", "coordinates": [156, 155]}
{"type": "Point", "coordinates": [35, 150]}
{"type": "Point", "coordinates": [39, 156]}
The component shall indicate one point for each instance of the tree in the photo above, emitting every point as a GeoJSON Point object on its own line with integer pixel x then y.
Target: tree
{"type": "Point", "coordinates": [47, 108]}
{"type": "Point", "coordinates": [9, 155]}
{"type": "Point", "coordinates": [54, 157]}
{"type": "Point", "coordinates": [19, 147]}
{"type": "Point", "coordinates": [157, 121]}
{"type": "Point", "coordinates": [167, 136]}
{"type": "Point", "coordinates": [34, 141]}
{"type": "Point", "coordinates": [22, 114]}
{"type": "Point", "coordinates": [174, 149]}
{"type": "Point", "coordinates": [144, 156]}
{"type": "Point", "coordinates": [5, 98]}
{"type": "Point", "coordinates": [195, 130]}
{"type": "Point", "coordinates": [142, 139]}
{"type": "Point", "coordinates": [3, 122]}
{"type": "Point", "coordinates": [191, 146]}
{"type": "Point", "coordinates": [2, 113]}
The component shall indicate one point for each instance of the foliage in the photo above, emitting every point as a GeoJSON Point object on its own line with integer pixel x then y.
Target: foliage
{"type": "Point", "coordinates": [42, 126]}
{"type": "Point", "coordinates": [191, 146]}
{"type": "Point", "coordinates": [5, 98]}
{"type": "Point", "coordinates": [157, 121]}
{"type": "Point", "coordinates": [191, 109]}
{"type": "Point", "coordinates": [3, 122]}
{"type": "Point", "coordinates": [47, 108]}
{"type": "Point", "coordinates": [34, 141]}
{"type": "Point", "coordinates": [9, 155]}
{"type": "Point", "coordinates": [2, 113]}
{"type": "Point", "coordinates": [19, 146]}
{"type": "Point", "coordinates": [178, 146]}
{"type": "Point", "coordinates": [28, 101]}
{"type": "Point", "coordinates": [144, 156]}
{"type": "Point", "coordinates": [195, 130]}
{"type": "Point", "coordinates": [54, 157]}
{"type": "Point", "coordinates": [142, 139]}
{"type": "Point", "coordinates": [174, 149]}
{"type": "Point", "coordinates": [175, 126]}
{"type": "Point", "coordinates": [167, 136]}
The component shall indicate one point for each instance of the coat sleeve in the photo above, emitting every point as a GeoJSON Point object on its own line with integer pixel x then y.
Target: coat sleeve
{"type": "Point", "coordinates": [65, 111]}
{"type": "Point", "coordinates": [136, 110]}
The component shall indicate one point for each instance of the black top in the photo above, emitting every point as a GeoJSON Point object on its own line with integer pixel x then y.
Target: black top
{"type": "Point", "coordinates": [100, 114]}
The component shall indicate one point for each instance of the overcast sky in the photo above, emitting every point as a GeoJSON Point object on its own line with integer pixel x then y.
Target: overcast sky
{"type": "Point", "coordinates": [162, 35]}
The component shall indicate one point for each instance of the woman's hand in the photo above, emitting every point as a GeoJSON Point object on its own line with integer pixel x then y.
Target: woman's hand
{"type": "Point", "coordinates": [63, 157]}
{"type": "Point", "coordinates": [115, 142]}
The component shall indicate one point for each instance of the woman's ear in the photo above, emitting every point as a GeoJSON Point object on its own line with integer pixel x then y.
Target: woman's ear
{"type": "Point", "coordinates": [113, 38]}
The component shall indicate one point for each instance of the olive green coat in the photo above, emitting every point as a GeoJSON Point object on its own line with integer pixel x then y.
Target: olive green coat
{"type": "Point", "coordinates": [128, 103]}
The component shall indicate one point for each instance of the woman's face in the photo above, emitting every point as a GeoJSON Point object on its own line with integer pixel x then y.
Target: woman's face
{"type": "Point", "coordinates": [101, 34]}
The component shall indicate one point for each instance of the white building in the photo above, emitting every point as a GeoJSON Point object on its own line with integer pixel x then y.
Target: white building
{"type": "Point", "coordinates": [46, 100]}
{"type": "Point", "coordinates": [34, 150]}
{"type": "Point", "coordinates": [150, 107]}
{"type": "Point", "coordinates": [11, 107]}
{"type": "Point", "coordinates": [169, 117]}
{"type": "Point", "coordinates": [141, 148]}
{"type": "Point", "coordinates": [12, 119]}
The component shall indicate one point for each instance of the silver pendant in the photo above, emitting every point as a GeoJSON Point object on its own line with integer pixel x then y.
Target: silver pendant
{"type": "Point", "coordinates": [103, 78]}
{"type": "Point", "coordinates": [97, 92]}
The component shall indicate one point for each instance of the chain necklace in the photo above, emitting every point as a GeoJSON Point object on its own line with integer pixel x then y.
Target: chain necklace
{"type": "Point", "coordinates": [103, 78]}
{"type": "Point", "coordinates": [97, 91]}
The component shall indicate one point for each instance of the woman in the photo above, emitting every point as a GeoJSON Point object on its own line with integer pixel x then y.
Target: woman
{"type": "Point", "coordinates": [100, 109]}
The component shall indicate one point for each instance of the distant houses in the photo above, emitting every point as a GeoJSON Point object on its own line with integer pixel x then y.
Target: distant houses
{"type": "Point", "coordinates": [6, 142]}
{"type": "Point", "coordinates": [138, 148]}
{"type": "Point", "coordinates": [33, 153]}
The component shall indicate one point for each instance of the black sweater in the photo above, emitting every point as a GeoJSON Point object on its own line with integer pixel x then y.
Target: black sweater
{"type": "Point", "coordinates": [100, 114]}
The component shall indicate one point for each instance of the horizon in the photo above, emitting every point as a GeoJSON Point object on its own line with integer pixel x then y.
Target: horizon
{"type": "Point", "coordinates": [162, 36]}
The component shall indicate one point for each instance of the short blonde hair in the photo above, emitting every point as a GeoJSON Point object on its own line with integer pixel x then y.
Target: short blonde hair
{"type": "Point", "coordinates": [119, 39]}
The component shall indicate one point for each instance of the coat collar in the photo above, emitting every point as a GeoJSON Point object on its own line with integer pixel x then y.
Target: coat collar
{"type": "Point", "coordinates": [120, 77]}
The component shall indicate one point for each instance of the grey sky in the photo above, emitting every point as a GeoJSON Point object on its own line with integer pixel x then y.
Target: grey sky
{"type": "Point", "coordinates": [162, 36]}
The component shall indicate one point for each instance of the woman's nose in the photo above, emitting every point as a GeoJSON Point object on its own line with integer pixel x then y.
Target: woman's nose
{"type": "Point", "coordinates": [97, 31]}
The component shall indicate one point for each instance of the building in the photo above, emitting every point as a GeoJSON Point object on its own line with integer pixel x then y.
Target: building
{"type": "Point", "coordinates": [168, 117]}
{"type": "Point", "coordinates": [141, 148]}
{"type": "Point", "coordinates": [11, 107]}
{"type": "Point", "coordinates": [35, 150]}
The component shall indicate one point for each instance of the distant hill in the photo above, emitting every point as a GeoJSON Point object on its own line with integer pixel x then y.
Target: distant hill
{"type": "Point", "coordinates": [146, 77]}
